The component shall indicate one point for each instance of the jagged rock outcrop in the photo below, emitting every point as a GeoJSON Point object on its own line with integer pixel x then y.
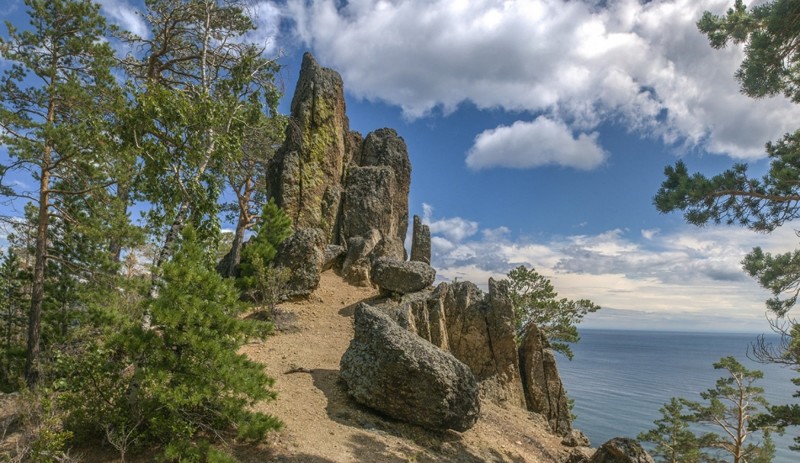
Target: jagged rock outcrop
{"type": "Point", "coordinates": [327, 177]}
{"type": "Point", "coordinates": [377, 188]}
{"type": "Point", "coordinates": [476, 328]}
{"type": "Point", "coordinates": [347, 196]}
{"type": "Point", "coordinates": [303, 254]}
{"type": "Point", "coordinates": [544, 392]}
{"type": "Point", "coordinates": [391, 370]}
{"type": "Point", "coordinates": [621, 450]}
{"type": "Point", "coordinates": [402, 277]}
{"type": "Point", "coordinates": [420, 241]}
{"type": "Point", "coordinates": [305, 177]}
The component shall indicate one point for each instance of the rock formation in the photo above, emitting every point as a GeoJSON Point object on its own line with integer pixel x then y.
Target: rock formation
{"type": "Point", "coordinates": [305, 177]}
{"type": "Point", "coordinates": [391, 370]}
{"type": "Point", "coordinates": [303, 252]}
{"type": "Point", "coordinates": [621, 450]}
{"type": "Point", "coordinates": [326, 177]}
{"type": "Point", "coordinates": [347, 196]}
{"type": "Point", "coordinates": [421, 241]}
{"type": "Point", "coordinates": [544, 392]}
{"type": "Point", "coordinates": [478, 329]}
{"type": "Point", "coordinates": [402, 276]}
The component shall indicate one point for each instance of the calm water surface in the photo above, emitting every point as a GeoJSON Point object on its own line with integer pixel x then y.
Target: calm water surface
{"type": "Point", "coordinates": [619, 379]}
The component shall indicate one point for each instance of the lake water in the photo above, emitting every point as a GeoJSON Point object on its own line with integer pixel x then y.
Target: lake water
{"type": "Point", "coordinates": [619, 379]}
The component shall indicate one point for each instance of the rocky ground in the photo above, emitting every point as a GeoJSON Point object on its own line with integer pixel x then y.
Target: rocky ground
{"type": "Point", "coordinates": [322, 425]}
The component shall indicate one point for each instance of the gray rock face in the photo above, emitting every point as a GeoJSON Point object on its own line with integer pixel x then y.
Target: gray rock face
{"type": "Point", "coordinates": [385, 148]}
{"type": "Point", "coordinates": [368, 202]}
{"type": "Point", "coordinates": [576, 438]}
{"type": "Point", "coordinates": [303, 253]}
{"type": "Point", "coordinates": [402, 276]}
{"type": "Point", "coordinates": [480, 333]}
{"type": "Point", "coordinates": [391, 370]}
{"type": "Point", "coordinates": [544, 392]}
{"type": "Point", "coordinates": [305, 175]}
{"type": "Point", "coordinates": [334, 256]}
{"type": "Point", "coordinates": [420, 241]}
{"type": "Point", "coordinates": [621, 450]}
{"type": "Point", "coordinates": [358, 261]}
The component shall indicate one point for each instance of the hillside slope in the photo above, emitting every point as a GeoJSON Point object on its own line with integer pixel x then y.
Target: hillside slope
{"type": "Point", "coordinates": [322, 425]}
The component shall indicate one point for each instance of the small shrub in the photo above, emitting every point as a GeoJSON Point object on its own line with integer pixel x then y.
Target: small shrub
{"type": "Point", "coordinates": [43, 437]}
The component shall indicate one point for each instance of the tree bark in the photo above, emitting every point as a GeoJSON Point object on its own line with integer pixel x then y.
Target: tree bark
{"type": "Point", "coordinates": [40, 263]}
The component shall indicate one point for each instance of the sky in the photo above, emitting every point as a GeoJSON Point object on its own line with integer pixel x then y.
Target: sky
{"type": "Point", "coordinates": [538, 132]}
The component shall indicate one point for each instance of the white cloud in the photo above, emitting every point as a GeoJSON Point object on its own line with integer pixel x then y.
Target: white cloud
{"type": "Point", "coordinates": [649, 234]}
{"type": "Point", "coordinates": [533, 144]}
{"type": "Point", "coordinates": [642, 64]}
{"type": "Point", "coordinates": [266, 17]}
{"type": "Point", "coordinates": [454, 229]}
{"type": "Point", "coordinates": [127, 16]}
{"type": "Point", "coordinates": [691, 273]}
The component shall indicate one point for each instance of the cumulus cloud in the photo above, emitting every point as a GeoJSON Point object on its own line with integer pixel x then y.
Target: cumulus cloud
{"type": "Point", "coordinates": [454, 229]}
{"type": "Point", "coordinates": [266, 17]}
{"type": "Point", "coordinates": [691, 271]}
{"type": "Point", "coordinates": [640, 64]}
{"type": "Point", "coordinates": [127, 16]}
{"type": "Point", "coordinates": [533, 144]}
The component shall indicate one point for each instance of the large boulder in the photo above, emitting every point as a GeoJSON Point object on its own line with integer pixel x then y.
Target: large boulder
{"type": "Point", "coordinates": [421, 241]}
{"type": "Point", "coordinates": [303, 254]}
{"type": "Point", "coordinates": [391, 370]}
{"type": "Point", "coordinates": [621, 450]}
{"type": "Point", "coordinates": [305, 177]}
{"type": "Point", "coordinates": [544, 391]}
{"type": "Point", "coordinates": [402, 276]}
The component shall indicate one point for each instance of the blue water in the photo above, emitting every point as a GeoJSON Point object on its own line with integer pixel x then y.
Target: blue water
{"type": "Point", "coordinates": [619, 379]}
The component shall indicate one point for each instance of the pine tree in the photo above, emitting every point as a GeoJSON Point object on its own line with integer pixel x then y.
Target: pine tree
{"type": "Point", "coordinates": [674, 440]}
{"type": "Point", "coordinates": [536, 301]}
{"type": "Point", "coordinates": [769, 33]}
{"type": "Point", "coordinates": [182, 384]}
{"type": "Point", "coordinates": [52, 102]}
{"type": "Point", "coordinates": [732, 406]}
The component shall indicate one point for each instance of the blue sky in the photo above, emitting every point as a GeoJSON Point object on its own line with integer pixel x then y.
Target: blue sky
{"type": "Point", "coordinates": [538, 131]}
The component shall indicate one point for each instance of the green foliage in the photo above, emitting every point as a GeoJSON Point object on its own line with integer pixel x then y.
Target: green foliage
{"type": "Point", "coordinates": [197, 87]}
{"type": "Point", "coordinates": [43, 436]}
{"type": "Point", "coordinates": [273, 228]}
{"type": "Point", "coordinates": [771, 67]}
{"type": "Point", "coordinates": [769, 32]}
{"type": "Point", "coordinates": [536, 301]}
{"type": "Point", "coordinates": [196, 332]}
{"type": "Point", "coordinates": [182, 384]}
{"type": "Point", "coordinates": [13, 303]}
{"type": "Point", "coordinates": [674, 441]}
{"type": "Point", "coordinates": [731, 406]}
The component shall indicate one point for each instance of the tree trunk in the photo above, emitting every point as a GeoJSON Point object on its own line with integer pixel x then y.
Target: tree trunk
{"type": "Point", "coordinates": [227, 266]}
{"type": "Point", "coordinates": [115, 246]}
{"type": "Point", "coordinates": [40, 263]}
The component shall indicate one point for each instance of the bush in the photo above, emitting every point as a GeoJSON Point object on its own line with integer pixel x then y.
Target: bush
{"type": "Point", "coordinates": [43, 437]}
{"type": "Point", "coordinates": [181, 384]}
{"type": "Point", "coordinates": [274, 227]}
